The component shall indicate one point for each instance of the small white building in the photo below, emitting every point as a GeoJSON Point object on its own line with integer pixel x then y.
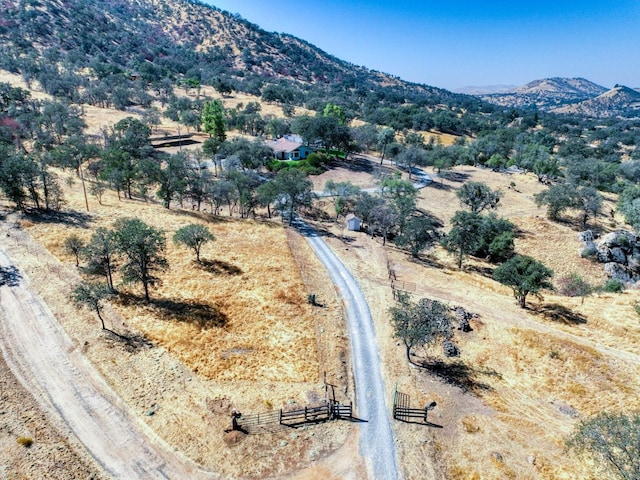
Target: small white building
{"type": "Point", "coordinates": [353, 223]}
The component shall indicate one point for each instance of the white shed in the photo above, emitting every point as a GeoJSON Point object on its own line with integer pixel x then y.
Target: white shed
{"type": "Point", "coordinates": [353, 223]}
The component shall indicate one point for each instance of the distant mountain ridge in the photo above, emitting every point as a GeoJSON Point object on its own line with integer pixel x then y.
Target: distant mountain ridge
{"type": "Point", "coordinates": [569, 96]}
{"type": "Point", "coordinates": [618, 100]}
{"type": "Point", "coordinates": [579, 87]}
{"type": "Point", "coordinates": [485, 89]}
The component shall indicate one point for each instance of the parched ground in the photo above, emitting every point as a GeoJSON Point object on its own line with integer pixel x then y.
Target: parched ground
{"type": "Point", "coordinates": [522, 381]}
{"type": "Point", "coordinates": [51, 455]}
{"type": "Point", "coordinates": [524, 377]}
{"type": "Point", "coordinates": [234, 332]}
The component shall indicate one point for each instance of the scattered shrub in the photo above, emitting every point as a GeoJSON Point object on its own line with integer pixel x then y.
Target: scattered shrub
{"type": "Point", "coordinates": [25, 441]}
{"type": "Point", "coordinates": [589, 252]}
{"type": "Point", "coordinates": [614, 285]}
{"type": "Point", "coordinates": [573, 285]}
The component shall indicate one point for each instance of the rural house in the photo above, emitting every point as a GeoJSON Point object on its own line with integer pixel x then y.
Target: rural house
{"type": "Point", "coordinates": [289, 148]}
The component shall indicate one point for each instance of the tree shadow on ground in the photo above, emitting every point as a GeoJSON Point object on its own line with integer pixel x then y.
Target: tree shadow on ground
{"type": "Point", "coordinates": [459, 374]}
{"type": "Point", "coordinates": [355, 164]}
{"type": "Point", "coordinates": [479, 269]}
{"type": "Point", "coordinates": [219, 267]}
{"type": "Point", "coordinates": [439, 185]}
{"type": "Point", "coordinates": [10, 276]}
{"type": "Point", "coordinates": [132, 342]}
{"type": "Point", "coordinates": [201, 314]}
{"type": "Point", "coordinates": [559, 313]}
{"type": "Point", "coordinates": [71, 218]}
{"type": "Point", "coordinates": [425, 262]}
{"type": "Point", "coordinates": [457, 177]}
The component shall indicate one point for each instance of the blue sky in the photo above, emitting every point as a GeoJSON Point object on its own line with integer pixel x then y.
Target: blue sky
{"type": "Point", "coordinates": [452, 44]}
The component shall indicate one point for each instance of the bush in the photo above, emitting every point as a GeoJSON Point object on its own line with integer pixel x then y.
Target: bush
{"type": "Point", "coordinates": [25, 441]}
{"type": "Point", "coordinates": [614, 285]}
{"type": "Point", "coordinates": [589, 252]}
{"type": "Point", "coordinates": [573, 285]}
{"type": "Point", "coordinates": [612, 440]}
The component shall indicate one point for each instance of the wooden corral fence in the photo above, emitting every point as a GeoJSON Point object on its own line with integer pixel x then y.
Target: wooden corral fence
{"type": "Point", "coordinates": [398, 284]}
{"type": "Point", "coordinates": [403, 412]}
{"type": "Point", "coordinates": [331, 409]}
{"type": "Point", "coordinates": [259, 419]}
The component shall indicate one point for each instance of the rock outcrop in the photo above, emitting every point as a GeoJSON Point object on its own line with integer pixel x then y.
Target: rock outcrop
{"type": "Point", "coordinates": [619, 251]}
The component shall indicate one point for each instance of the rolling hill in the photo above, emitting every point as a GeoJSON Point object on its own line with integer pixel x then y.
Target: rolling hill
{"type": "Point", "coordinates": [90, 48]}
{"type": "Point", "coordinates": [547, 93]}
{"type": "Point", "coordinates": [620, 100]}
{"type": "Point", "coordinates": [576, 96]}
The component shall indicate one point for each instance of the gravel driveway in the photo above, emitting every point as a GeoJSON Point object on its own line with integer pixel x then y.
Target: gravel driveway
{"type": "Point", "coordinates": [376, 439]}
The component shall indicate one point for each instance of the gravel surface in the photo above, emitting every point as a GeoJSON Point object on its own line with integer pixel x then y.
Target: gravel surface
{"type": "Point", "coordinates": [376, 439]}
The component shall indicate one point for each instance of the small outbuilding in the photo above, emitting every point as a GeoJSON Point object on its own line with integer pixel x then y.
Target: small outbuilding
{"type": "Point", "coordinates": [353, 223]}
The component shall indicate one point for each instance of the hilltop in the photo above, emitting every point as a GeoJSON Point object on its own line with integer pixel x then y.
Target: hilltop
{"type": "Point", "coordinates": [99, 52]}
{"type": "Point", "coordinates": [576, 96]}
{"type": "Point", "coordinates": [546, 93]}
{"type": "Point", "coordinates": [619, 100]}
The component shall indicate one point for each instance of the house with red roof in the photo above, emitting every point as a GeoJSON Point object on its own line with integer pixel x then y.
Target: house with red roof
{"type": "Point", "coordinates": [289, 148]}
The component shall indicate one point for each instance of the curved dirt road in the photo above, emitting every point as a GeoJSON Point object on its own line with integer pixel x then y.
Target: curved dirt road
{"type": "Point", "coordinates": [376, 439]}
{"type": "Point", "coordinates": [44, 359]}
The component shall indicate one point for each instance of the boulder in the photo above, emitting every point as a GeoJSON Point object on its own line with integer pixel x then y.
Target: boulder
{"type": "Point", "coordinates": [463, 317]}
{"type": "Point", "coordinates": [617, 271]}
{"type": "Point", "coordinates": [633, 264]}
{"type": "Point", "coordinates": [604, 254]}
{"type": "Point", "coordinates": [586, 236]}
{"type": "Point", "coordinates": [618, 255]}
{"type": "Point", "coordinates": [620, 238]}
{"type": "Point", "coordinates": [450, 349]}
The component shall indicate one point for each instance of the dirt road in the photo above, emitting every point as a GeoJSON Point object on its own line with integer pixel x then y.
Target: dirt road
{"type": "Point", "coordinates": [43, 357]}
{"type": "Point", "coordinates": [376, 439]}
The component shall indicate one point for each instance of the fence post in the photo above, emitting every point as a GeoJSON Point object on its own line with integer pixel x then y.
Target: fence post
{"type": "Point", "coordinates": [280, 417]}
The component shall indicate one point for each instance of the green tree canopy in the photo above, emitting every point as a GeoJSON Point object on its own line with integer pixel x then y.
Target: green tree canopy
{"type": "Point", "coordinates": [92, 296]}
{"type": "Point", "coordinates": [101, 253]}
{"type": "Point", "coordinates": [421, 323]}
{"type": "Point", "coordinates": [293, 190]}
{"type": "Point", "coordinates": [193, 236]}
{"type": "Point", "coordinates": [419, 233]}
{"type": "Point", "coordinates": [143, 247]}
{"type": "Point", "coordinates": [478, 196]}
{"type": "Point", "coordinates": [213, 120]}
{"type": "Point", "coordinates": [524, 275]}
{"type": "Point", "coordinates": [613, 440]}
{"type": "Point", "coordinates": [73, 245]}
{"type": "Point", "coordinates": [465, 235]}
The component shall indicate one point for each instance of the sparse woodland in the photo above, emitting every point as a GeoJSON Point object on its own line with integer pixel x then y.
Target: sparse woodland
{"type": "Point", "coordinates": [106, 198]}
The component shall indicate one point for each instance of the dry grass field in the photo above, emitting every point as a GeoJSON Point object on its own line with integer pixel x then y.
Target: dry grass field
{"type": "Point", "coordinates": [524, 377]}
{"type": "Point", "coordinates": [233, 332]}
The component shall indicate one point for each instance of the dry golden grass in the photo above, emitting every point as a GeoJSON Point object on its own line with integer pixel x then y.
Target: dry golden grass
{"type": "Point", "coordinates": [533, 369]}
{"type": "Point", "coordinates": [240, 315]}
{"type": "Point", "coordinates": [533, 372]}
{"type": "Point", "coordinates": [235, 331]}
